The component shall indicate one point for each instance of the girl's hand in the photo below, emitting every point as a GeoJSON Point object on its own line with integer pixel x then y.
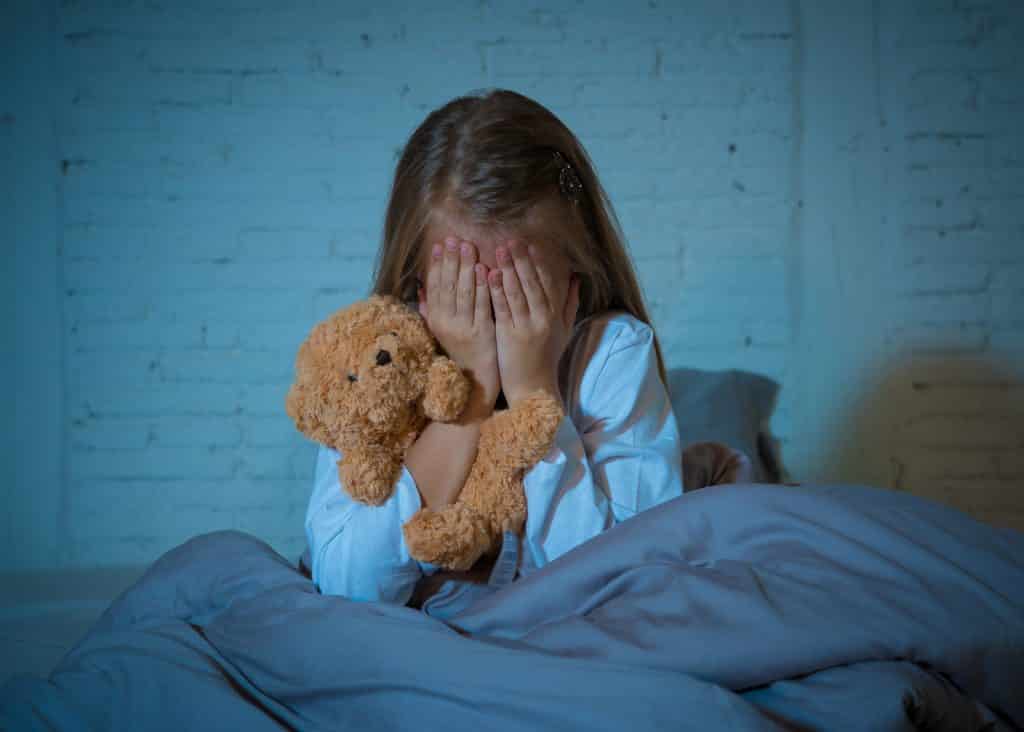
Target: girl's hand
{"type": "Point", "coordinates": [457, 308]}
{"type": "Point", "coordinates": [534, 315]}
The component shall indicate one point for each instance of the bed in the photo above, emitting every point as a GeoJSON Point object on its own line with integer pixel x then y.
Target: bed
{"type": "Point", "coordinates": [757, 606]}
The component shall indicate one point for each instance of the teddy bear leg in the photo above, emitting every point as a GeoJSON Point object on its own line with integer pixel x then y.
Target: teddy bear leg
{"type": "Point", "coordinates": [453, 538]}
{"type": "Point", "coordinates": [369, 476]}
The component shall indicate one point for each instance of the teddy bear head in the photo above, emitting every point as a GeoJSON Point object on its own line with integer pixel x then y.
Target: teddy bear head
{"type": "Point", "coordinates": [365, 375]}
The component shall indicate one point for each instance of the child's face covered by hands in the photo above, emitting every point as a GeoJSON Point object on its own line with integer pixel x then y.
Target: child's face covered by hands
{"type": "Point", "coordinates": [509, 293]}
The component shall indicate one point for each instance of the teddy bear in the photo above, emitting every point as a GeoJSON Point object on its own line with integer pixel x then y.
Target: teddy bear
{"type": "Point", "coordinates": [368, 379]}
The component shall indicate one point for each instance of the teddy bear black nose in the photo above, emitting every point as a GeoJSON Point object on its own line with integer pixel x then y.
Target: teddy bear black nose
{"type": "Point", "coordinates": [383, 358]}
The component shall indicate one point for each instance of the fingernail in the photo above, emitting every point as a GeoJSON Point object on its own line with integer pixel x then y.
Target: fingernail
{"type": "Point", "coordinates": [465, 248]}
{"type": "Point", "coordinates": [437, 250]}
{"type": "Point", "coordinates": [481, 276]}
{"type": "Point", "coordinates": [451, 244]}
{"type": "Point", "coordinates": [500, 254]}
{"type": "Point", "coordinates": [532, 250]}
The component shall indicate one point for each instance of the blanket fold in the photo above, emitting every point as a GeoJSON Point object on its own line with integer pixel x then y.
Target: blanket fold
{"type": "Point", "coordinates": [749, 606]}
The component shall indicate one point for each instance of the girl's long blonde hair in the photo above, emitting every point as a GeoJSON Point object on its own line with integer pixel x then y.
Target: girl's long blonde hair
{"type": "Point", "coordinates": [491, 154]}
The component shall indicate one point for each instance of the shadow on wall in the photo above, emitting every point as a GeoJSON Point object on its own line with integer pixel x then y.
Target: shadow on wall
{"type": "Point", "coordinates": [950, 428]}
{"type": "Point", "coordinates": [732, 407]}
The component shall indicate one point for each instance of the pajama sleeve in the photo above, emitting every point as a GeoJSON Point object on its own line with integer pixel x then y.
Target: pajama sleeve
{"type": "Point", "coordinates": [618, 449]}
{"type": "Point", "coordinates": [358, 550]}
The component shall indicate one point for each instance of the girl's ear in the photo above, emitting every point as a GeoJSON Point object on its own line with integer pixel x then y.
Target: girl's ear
{"type": "Point", "coordinates": [447, 391]}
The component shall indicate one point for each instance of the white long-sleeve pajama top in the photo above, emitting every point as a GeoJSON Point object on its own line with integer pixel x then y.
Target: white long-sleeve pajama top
{"type": "Point", "coordinates": [617, 452]}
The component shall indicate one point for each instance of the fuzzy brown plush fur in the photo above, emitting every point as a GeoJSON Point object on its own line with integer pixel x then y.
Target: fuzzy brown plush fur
{"type": "Point", "coordinates": [367, 381]}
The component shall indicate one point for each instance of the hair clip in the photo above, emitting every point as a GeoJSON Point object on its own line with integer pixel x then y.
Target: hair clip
{"type": "Point", "coordinates": [568, 181]}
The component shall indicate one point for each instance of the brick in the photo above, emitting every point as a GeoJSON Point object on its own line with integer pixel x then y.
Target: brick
{"type": "Point", "coordinates": [233, 56]}
{"type": "Point", "coordinates": [132, 368]}
{"type": "Point", "coordinates": [952, 339]}
{"type": "Point", "coordinates": [116, 338]}
{"type": "Point", "coordinates": [1001, 216]}
{"type": "Point", "coordinates": [764, 274]}
{"type": "Point", "coordinates": [99, 399]}
{"type": "Point", "coordinates": [175, 275]}
{"type": "Point", "coordinates": [607, 56]}
{"type": "Point", "coordinates": [107, 433]}
{"type": "Point", "coordinates": [105, 307]}
{"type": "Point", "coordinates": [929, 87]}
{"type": "Point", "coordinates": [267, 463]}
{"type": "Point", "coordinates": [86, 241]}
{"type": "Point", "coordinates": [312, 90]}
{"type": "Point", "coordinates": [735, 243]}
{"type": "Point", "coordinates": [232, 366]}
{"type": "Point", "coordinates": [946, 149]}
{"type": "Point", "coordinates": [271, 521]}
{"type": "Point", "coordinates": [924, 466]}
{"type": "Point", "coordinates": [941, 308]}
{"type": "Point", "coordinates": [153, 514]}
{"type": "Point", "coordinates": [284, 337]}
{"type": "Point", "coordinates": [240, 306]}
{"type": "Point", "coordinates": [154, 87]}
{"type": "Point", "coordinates": [967, 430]}
{"type": "Point", "coordinates": [709, 302]}
{"type": "Point", "coordinates": [1007, 149]}
{"type": "Point", "coordinates": [153, 463]}
{"type": "Point", "coordinates": [195, 431]}
{"type": "Point", "coordinates": [938, 278]}
{"type": "Point", "coordinates": [266, 400]}
{"type": "Point", "coordinates": [223, 124]}
{"type": "Point", "coordinates": [957, 247]}
{"type": "Point", "coordinates": [278, 431]}
{"type": "Point", "coordinates": [133, 116]}
{"type": "Point", "coordinates": [614, 122]}
{"type": "Point", "coordinates": [331, 299]}
{"type": "Point", "coordinates": [144, 21]}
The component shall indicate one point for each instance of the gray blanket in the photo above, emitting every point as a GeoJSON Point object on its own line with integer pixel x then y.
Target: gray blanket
{"type": "Point", "coordinates": [749, 607]}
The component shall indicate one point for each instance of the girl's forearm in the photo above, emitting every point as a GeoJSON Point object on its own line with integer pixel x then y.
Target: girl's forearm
{"type": "Point", "coordinates": [442, 455]}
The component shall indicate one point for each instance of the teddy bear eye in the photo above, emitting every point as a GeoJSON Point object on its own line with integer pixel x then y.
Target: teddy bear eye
{"type": "Point", "coordinates": [352, 377]}
{"type": "Point", "coordinates": [391, 332]}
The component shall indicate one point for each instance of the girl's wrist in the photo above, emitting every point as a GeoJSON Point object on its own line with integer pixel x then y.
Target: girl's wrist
{"type": "Point", "coordinates": [550, 386]}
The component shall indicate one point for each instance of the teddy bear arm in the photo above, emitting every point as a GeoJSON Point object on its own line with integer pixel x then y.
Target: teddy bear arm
{"type": "Point", "coordinates": [453, 537]}
{"type": "Point", "coordinates": [369, 475]}
{"type": "Point", "coordinates": [447, 391]}
{"type": "Point", "coordinates": [518, 437]}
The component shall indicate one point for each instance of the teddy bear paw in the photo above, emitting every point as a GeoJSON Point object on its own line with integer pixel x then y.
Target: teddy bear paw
{"type": "Point", "coordinates": [450, 538]}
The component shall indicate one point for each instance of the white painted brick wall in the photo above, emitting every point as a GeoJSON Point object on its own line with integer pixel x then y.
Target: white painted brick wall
{"type": "Point", "coordinates": [223, 173]}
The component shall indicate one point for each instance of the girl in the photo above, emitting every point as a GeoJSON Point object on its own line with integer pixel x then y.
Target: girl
{"type": "Point", "coordinates": [498, 230]}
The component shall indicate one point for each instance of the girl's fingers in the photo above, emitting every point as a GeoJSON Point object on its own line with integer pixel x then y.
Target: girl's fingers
{"type": "Point", "coordinates": [466, 287]}
{"type": "Point", "coordinates": [421, 295]}
{"type": "Point", "coordinates": [502, 314]}
{"type": "Point", "coordinates": [434, 279]}
{"type": "Point", "coordinates": [482, 312]}
{"type": "Point", "coordinates": [572, 302]}
{"type": "Point", "coordinates": [518, 307]}
{"type": "Point", "coordinates": [547, 281]}
{"type": "Point", "coordinates": [449, 275]}
{"type": "Point", "coordinates": [529, 280]}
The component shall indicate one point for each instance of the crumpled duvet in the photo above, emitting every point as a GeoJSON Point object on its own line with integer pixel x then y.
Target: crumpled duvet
{"type": "Point", "coordinates": [737, 607]}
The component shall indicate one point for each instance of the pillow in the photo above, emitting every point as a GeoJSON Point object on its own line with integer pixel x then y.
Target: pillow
{"type": "Point", "coordinates": [731, 407]}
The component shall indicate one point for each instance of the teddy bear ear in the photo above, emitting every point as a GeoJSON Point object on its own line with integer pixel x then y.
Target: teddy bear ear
{"type": "Point", "coordinates": [300, 405]}
{"type": "Point", "coordinates": [300, 402]}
